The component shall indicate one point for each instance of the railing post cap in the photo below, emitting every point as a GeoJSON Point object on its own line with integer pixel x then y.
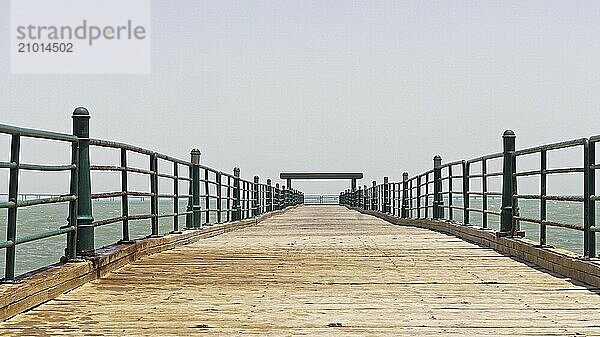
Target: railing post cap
{"type": "Point", "coordinates": [81, 112]}
{"type": "Point", "coordinates": [236, 171]}
{"type": "Point", "coordinates": [405, 174]}
{"type": "Point", "coordinates": [386, 179]}
{"type": "Point", "coordinates": [195, 156]}
{"type": "Point", "coordinates": [268, 181]}
{"type": "Point", "coordinates": [508, 134]}
{"type": "Point", "coordinates": [256, 179]}
{"type": "Point", "coordinates": [437, 161]}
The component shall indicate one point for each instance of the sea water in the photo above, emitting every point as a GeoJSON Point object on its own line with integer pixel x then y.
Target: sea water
{"type": "Point", "coordinates": [40, 253]}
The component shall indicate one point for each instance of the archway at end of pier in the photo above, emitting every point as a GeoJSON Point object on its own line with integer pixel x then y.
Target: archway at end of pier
{"type": "Point", "coordinates": [352, 177]}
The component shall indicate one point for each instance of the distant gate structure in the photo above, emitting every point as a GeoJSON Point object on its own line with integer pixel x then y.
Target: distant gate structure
{"type": "Point", "coordinates": [289, 176]}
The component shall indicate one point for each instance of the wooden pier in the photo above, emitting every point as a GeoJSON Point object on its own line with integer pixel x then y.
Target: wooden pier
{"type": "Point", "coordinates": [321, 271]}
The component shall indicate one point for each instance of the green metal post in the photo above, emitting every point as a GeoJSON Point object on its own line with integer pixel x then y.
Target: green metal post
{"type": "Point", "coordinates": [592, 206]}
{"type": "Point", "coordinates": [426, 195]}
{"type": "Point", "coordinates": [506, 214]}
{"type": "Point", "coordinates": [589, 212]}
{"type": "Point", "coordinates": [269, 196]}
{"type": "Point", "coordinates": [13, 195]}
{"type": "Point", "coordinates": [450, 194]}
{"type": "Point", "coordinates": [219, 179]}
{"type": "Point", "coordinates": [124, 198]}
{"type": "Point", "coordinates": [175, 198]}
{"type": "Point", "coordinates": [466, 176]}
{"type": "Point", "coordinates": [405, 204]}
{"type": "Point", "coordinates": [418, 197]}
{"type": "Point", "coordinates": [196, 211]}
{"type": "Point", "coordinates": [207, 197]}
{"type": "Point", "coordinates": [237, 211]}
{"type": "Point", "coordinates": [438, 201]}
{"type": "Point", "coordinates": [359, 198]}
{"type": "Point", "coordinates": [543, 190]}
{"type": "Point", "coordinates": [154, 193]}
{"type": "Point", "coordinates": [189, 217]}
{"type": "Point", "coordinates": [386, 195]}
{"type": "Point", "coordinates": [71, 252]}
{"type": "Point", "coordinates": [255, 200]}
{"type": "Point", "coordinates": [228, 203]}
{"type": "Point", "coordinates": [277, 197]}
{"type": "Point", "coordinates": [374, 206]}
{"type": "Point", "coordinates": [484, 197]}
{"type": "Point", "coordinates": [85, 228]}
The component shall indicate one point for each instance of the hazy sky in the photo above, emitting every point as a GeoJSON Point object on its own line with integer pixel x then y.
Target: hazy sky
{"type": "Point", "coordinates": [377, 86]}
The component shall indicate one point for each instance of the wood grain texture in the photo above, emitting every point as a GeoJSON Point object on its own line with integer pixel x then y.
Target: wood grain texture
{"type": "Point", "coordinates": [321, 271]}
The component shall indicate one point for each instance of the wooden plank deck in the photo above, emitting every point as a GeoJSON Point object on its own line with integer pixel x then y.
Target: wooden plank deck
{"type": "Point", "coordinates": [321, 270]}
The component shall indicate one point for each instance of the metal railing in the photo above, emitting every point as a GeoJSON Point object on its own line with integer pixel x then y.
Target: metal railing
{"type": "Point", "coordinates": [213, 196]}
{"type": "Point", "coordinates": [432, 194]}
{"type": "Point", "coordinates": [321, 199]}
{"type": "Point", "coordinates": [13, 203]}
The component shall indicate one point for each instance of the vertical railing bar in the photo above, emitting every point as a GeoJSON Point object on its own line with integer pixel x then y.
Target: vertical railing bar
{"type": "Point", "coordinates": [219, 178]}
{"type": "Point", "coordinates": [411, 200]}
{"type": "Point", "coordinates": [405, 199]}
{"type": "Point", "coordinates": [466, 176]}
{"type": "Point", "coordinates": [175, 198]}
{"type": "Point", "coordinates": [189, 218]}
{"type": "Point", "coordinates": [450, 194]}
{"type": "Point", "coordinates": [543, 203]}
{"type": "Point", "coordinates": [74, 190]}
{"type": "Point", "coordinates": [418, 196]}
{"type": "Point", "coordinates": [236, 195]}
{"type": "Point", "coordinates": [85, 218]}
{"type": "Point", "coordinates": [196, 208]}
{"type": "Point", "coordinates": [229, 210]}
{"type": "Point", "coordinates": [124, 198]}
{"type": "Point", "coordinates": [438, 202]}
{"type": "Point", "coordinates": [508, 189]}
{"type": "Point", "coordinates": [426, 196]}
{"type": "Point", "coordinates": [484, 189]}
{"type": "Point", "coordinates": [207, 196]}
{"type": "Point", "coordinates": [592, 203]}
{"type": "Point", "coordinates": [589, 244]}
{"type": "Point", "coordinates": [255, 188]}
{"type": "Point", "coordinates": [154, 193]}
{"type": "Point", "coordinates": [269, 196]}
{"type": "Point", "coordinates": [13, 194]}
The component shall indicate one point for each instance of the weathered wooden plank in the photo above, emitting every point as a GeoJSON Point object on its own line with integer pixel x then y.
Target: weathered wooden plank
{"type": "Point", "coordinates": [321, 271]}
{"type": "Point", "coordinates": [47, 283]}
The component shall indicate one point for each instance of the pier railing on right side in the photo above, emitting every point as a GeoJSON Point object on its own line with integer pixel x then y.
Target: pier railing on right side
{"type": "Point", "coordinates": [433, 194]}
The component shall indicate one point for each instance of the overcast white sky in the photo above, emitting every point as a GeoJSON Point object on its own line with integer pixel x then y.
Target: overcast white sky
{"type": "Point", "coordinates": [376, 86]}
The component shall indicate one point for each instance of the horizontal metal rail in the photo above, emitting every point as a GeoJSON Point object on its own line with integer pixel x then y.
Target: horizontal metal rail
{"type": "Point", "coordinates": [212, 196]}
{"type": "Point", "coordinates": [435, 190]}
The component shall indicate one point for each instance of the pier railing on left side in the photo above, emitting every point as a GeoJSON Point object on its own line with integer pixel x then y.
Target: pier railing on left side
{"type": "Point", "coordinates": [212, 196]}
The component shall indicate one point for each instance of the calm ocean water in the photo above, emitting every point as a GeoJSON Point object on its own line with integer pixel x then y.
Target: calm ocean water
{"type": "Point", "coordinates": [33, 255]}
